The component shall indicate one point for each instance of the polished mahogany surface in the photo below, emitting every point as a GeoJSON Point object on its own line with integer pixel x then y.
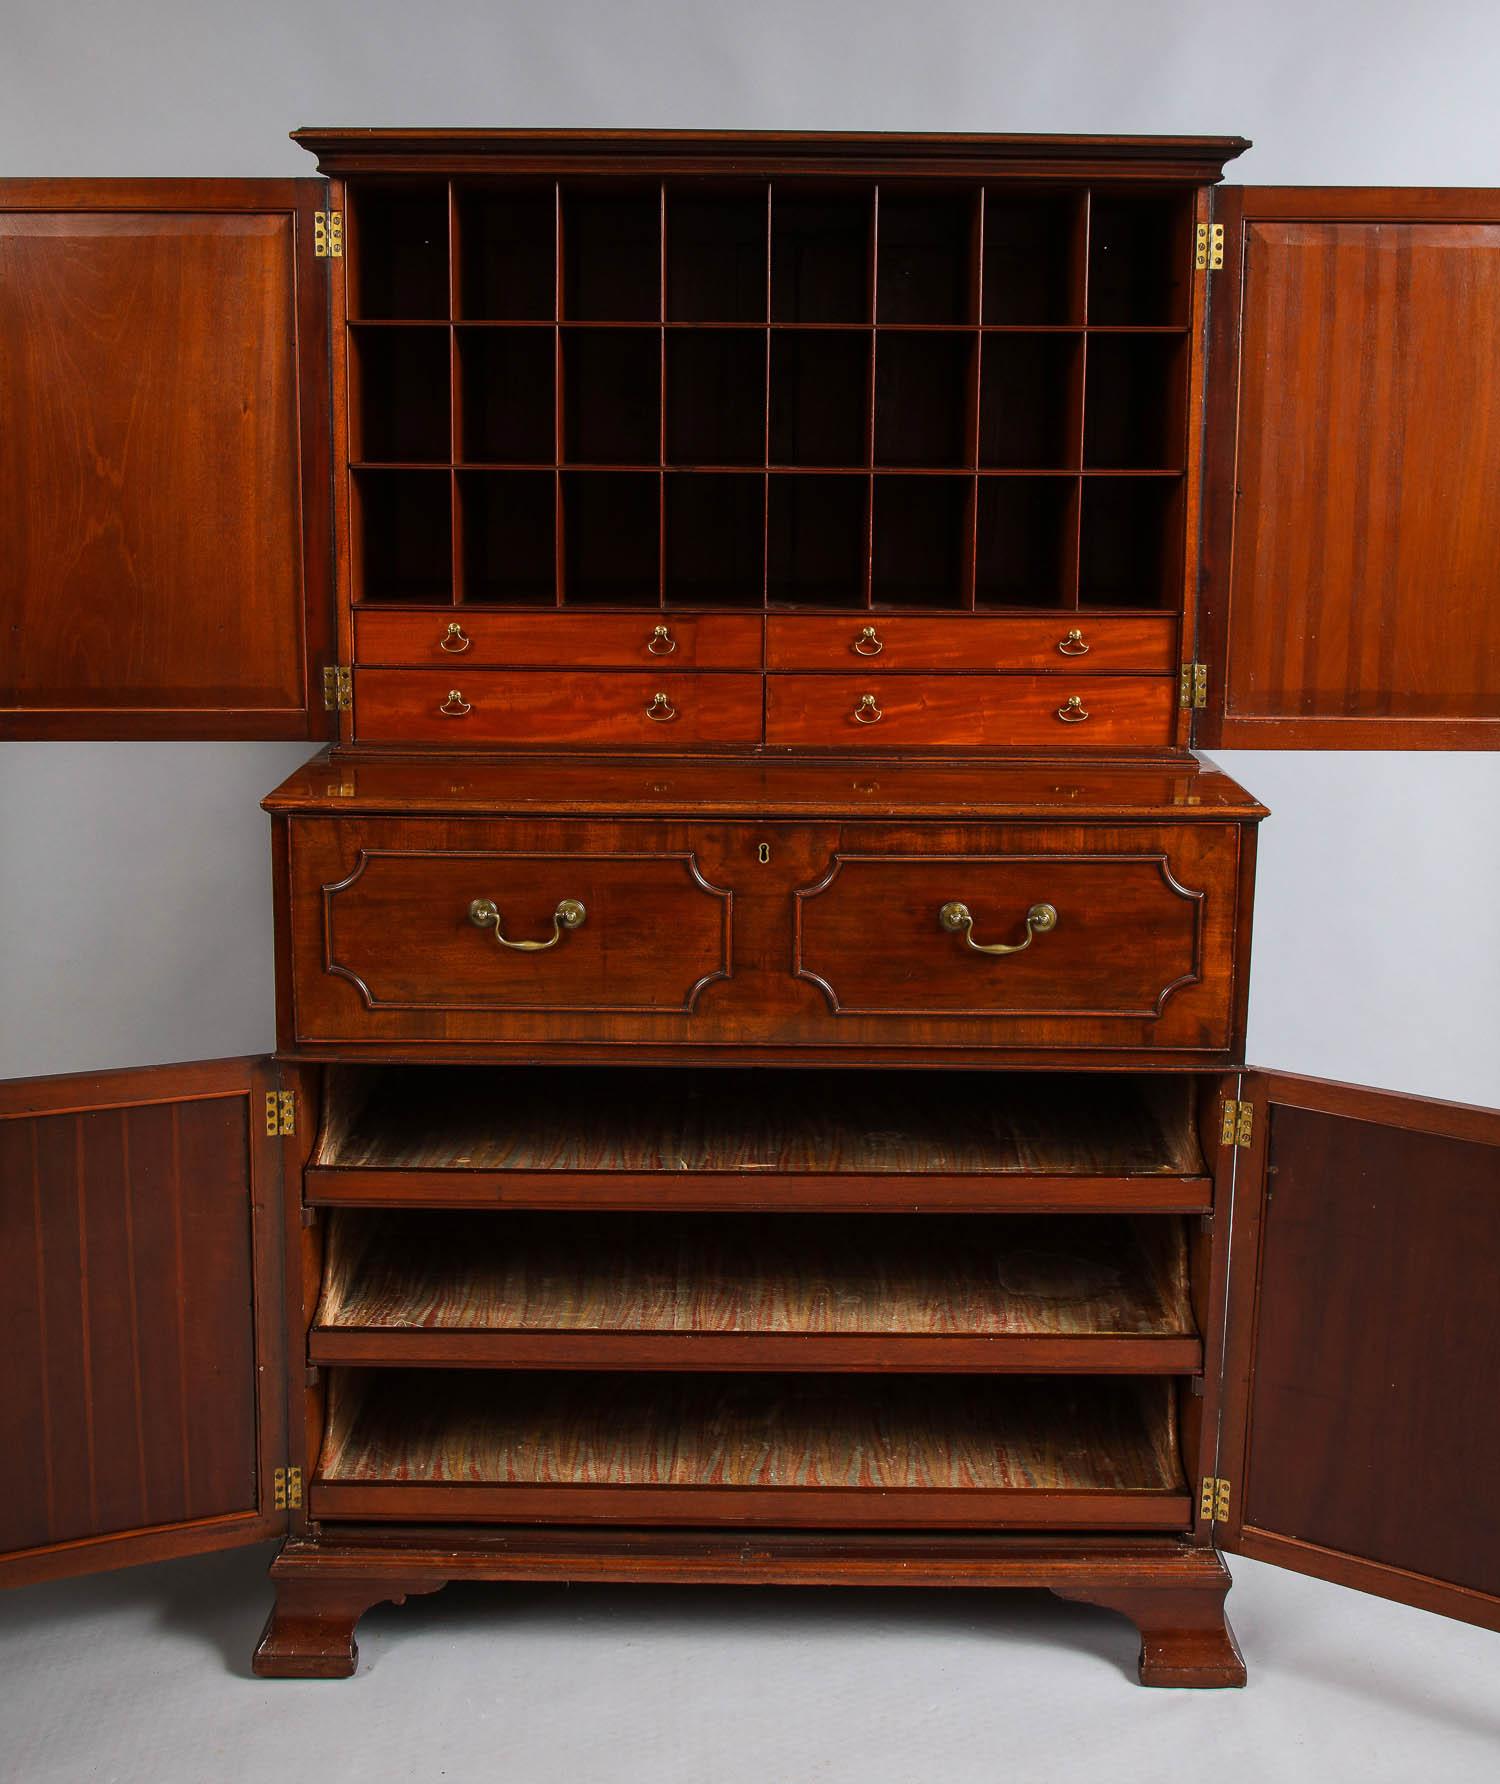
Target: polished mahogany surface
{"type": "Point", "coordinates": [1187, 790]}
{"type": "Point", "coordinates": [1363, 1336]}
{"type": "Point", "coordinates": [164, 561]}
{"type": "Point", "coordinates": [1352, 599]}
{"type": "Point", "coordinates": [140, 1291]}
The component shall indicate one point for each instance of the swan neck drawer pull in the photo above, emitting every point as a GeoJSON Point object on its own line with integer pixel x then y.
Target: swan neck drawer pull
{"type": "Point", "coordinates": [661, 643]}
{"type": "Point", "coordinates": [1075, 712]}
{"type": "Point", "coordinates": [455, 640]}
{"type": "Point", "coordinates": [867, 712]}
{"type": "Point", "coordinates": [956, 919]}
{"type": "Point", "coordinates": [661, 709]}
{"type": "Point", "coordinates": [867, 643]}
{"type": "Point", "coordinates": [1074, 645]}
{"type": "Point", "coordinates": [455, 706]}
{"type": "Point", "coordinates": [484, 913]}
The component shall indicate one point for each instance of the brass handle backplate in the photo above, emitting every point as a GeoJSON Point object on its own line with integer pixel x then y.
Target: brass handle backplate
{"type": "Point", "coordinates": [1074, 645]}
{"type": "Point", "coordinates": [455, 706]}
{"type": "Point", "coordinates": [661, 709]}
{"type": "Point", "coordinates": [868, 643]}
{"type": "Point", "coordinates": [484, 913]}
{"type": "Point", "coordinates": [661, 643]}
{"type": "Point", "coordinates": [1074, 713]}
{"type": "Point", "coordinates": [867, 712]}
{"type": "Point", "coordinates": [455, 640]}
{"type": "Point", "coordinates": [956, 919]}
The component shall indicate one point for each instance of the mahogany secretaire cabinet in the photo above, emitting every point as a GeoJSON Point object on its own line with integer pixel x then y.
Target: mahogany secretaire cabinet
{"type": "Point", "coordinates": [761, 972]}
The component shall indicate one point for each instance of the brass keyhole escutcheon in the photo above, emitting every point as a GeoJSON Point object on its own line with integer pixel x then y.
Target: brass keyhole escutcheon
{"type": "Point", "coordinates": [763, 853]}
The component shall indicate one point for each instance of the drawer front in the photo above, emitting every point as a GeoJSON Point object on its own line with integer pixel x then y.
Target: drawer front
{"type": "Point", "coordinates": [836, 941]}
{"type": "Point", "coordinates": [552, 710]}
{"type": "Point", "coordinates": [1122, 930]}
{"type": "Point", "coordinates": [472, 639]}
{"type": "Point", "coordinates": [409, 920]}
{"type": "Point", "coordinates": [1071, 643]}
{"type": "Point", "coordinates": [963, 711]}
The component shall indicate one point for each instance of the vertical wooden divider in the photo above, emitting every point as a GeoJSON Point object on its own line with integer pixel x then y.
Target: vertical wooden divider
{"type": "Point", "coordinates": [968, 598]}
{"type": "Point", "coordinates": [661, 395]}
{"type": "Point", "coordinates": [455, 400]}
{"type": "Point", "coordinates": [559, 499]}
{"type": "Point", "coordinates": [872, 299]}
{"type": "Point", "coordinates": [1071, 591]}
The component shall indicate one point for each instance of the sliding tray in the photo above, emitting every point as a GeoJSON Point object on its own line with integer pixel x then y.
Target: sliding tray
{"type": "Point", "coordinates": [1091, 1293]}
{"type": "Point", "coordinates": [537, 1137]}
{"type": "Point", "coordinates": [1011, 1452]}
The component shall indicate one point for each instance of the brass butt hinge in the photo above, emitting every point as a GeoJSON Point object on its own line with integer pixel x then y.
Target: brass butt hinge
{"type": "Point", "coordinates": [287, 1483]}
{"type": "Point", "coordinates": [1213, 1501]}
{"type": "Point", "coordinates": [1208, 247]}
{"type": "Point", "coordinates": [281, 1112]}
{"type": "Point", "coordinates": [328, 235]}
{"type": "Point", "coordinates": [1192, 686]}
{"type": "Point", "coordinates": [1238, 1124]}
{"type": "Point", "coordinates": [338, 688]}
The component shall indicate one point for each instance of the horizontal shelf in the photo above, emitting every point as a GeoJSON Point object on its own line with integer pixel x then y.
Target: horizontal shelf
{"type": "Point", "coordinates": [768, 1449]}
{"type": "Point", "coordinates": [727, 1291]}
{"type": "Point", "coordinates": [479, 1137]}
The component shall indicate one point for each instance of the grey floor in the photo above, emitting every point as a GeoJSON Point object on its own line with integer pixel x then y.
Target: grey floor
{"type": "Point", "coordinates": [144, 1675]}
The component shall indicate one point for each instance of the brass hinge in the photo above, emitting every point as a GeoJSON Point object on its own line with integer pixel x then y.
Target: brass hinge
{"type": "Point", "coordinates": [281, 1112]}
{"type": "Point", "coordinates": [1238, 1124]}
{"type": "Point", "coordinates": [1192, 686]}
{"type": "Point", "coordinates": [288, 1487]}
{"type": "Point", "coordinates": [1208, 247]}
{"type": "Point", "coordinates": [1213, 1501]}
{"type": "Point", "coordinates": [328, 235]}
{"type": "Point", "coordinates": [338, 688]}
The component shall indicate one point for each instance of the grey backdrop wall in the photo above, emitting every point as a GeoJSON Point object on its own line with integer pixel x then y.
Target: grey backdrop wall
{"type": "Point", "coordinates": [135, 917]}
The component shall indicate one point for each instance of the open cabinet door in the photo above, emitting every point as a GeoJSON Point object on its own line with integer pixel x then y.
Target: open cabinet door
{"type": "Point", "coordinates": [144, 1409]}
{"type": "Point", "coordinates": [165, 560]}
{"type": "Point", "coordinates": [1350, 596]}
{"type": "Point", "coordinates": [1360, 1436]}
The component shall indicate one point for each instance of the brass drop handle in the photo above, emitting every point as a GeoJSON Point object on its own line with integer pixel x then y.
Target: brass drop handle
{"type": "Point", "coordinates": [455, 640]}
{"type": "Point", "coordinates": [1074, 644]}
{"type": "Point", "coordinates": [484, 913]}
{"type": "Point", "coordinates": [455, 706]}
{"type": "Point", "coordinates": [867, 712]}
{"type": "Point", "coordinates": [868, 643]}
{"type": "Point", "coordinates": [661, 643]}
{"type": "Point", "coordinates": [1074, 713]}
{"type": "Point", "coordinates": [661, 709]}
{"type": "Point", "coordinates": [955, 917]}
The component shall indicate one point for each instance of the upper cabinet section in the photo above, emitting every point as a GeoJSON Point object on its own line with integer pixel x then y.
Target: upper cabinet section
{"type": "Point", "coordinates": [164, 533]}
{"type": "Point", "coordinates": [637, 371]}
{"type": "Point", "coordinates": [1351, 589]}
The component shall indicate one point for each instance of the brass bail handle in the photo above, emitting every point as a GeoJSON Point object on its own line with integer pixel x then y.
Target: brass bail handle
{"type": "Point", "coordinates": [1074, 645]}
{"type": "Point", "coordinates": [867, 643]}
{"type": "Point", "coordinates": [955, 918]}
{"type": "Point", "coordinates": [661, 709]}
{"type": "Point", "coordinates": [661, 643]}
{"type": "Point", "coordinates": [484, 913]}
{"type": "Point", "coordinates": [868, 712]}
{"type": "Point", "coordinates": [455, 640]}
{"type": "Point", "coordinates": [1075, 712]}
{"type": "Point", "coordinates": [455, 706]}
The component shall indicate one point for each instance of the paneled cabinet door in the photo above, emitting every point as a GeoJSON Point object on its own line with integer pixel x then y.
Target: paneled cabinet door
{"type": "Point", "coordinates": [144, 1410]}
{"type": "Point", "coordinates": [165, 560]}
{"type": "Point", "coordinates": [1350, 596]}
{"type": "Point", "coordinates": [1361, 1427]}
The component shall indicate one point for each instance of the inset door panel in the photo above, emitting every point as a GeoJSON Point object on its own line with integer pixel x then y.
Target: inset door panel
{"type": "Point", "coordinates": [1091, 931]}
{"type": "Point", "coordinates": [1360, 1423]}
{"type": "Point", "coordinates": [1351, 597]}
{"type": "Point", "coordinates": [418, 925]}
{"type": "Point", "coordinates": [140, 1277]}
{"type": "Point", "coordinates": [164, 546]}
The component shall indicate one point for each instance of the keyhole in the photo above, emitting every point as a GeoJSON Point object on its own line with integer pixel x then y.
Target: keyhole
{"type": "Point", "coordinates": [763, 853]}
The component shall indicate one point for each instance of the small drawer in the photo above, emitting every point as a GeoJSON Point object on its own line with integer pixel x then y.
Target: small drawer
{"type": "Point", "coordinates": [478, 639]}
{"type": "Point", "coordinates": [542, 708]}
{"type": "Point", "coordinates": [1069, 643]}
{"type": "Point", "coordinates": [964, 711]}
{"type": "Point", "coordinates": [420, 927]}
